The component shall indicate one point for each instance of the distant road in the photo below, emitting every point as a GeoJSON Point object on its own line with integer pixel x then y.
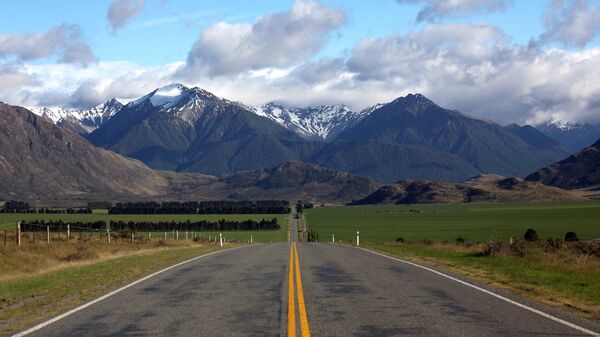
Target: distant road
{"type": "Point", "coordinates": [346, 291]}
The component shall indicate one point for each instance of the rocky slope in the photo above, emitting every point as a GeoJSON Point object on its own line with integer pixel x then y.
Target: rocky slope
{"type": "Point", "coordinates": [581, 170]}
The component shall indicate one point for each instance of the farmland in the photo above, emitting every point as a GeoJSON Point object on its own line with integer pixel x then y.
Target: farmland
{"type": "Point", "coordinates": [446, 222]}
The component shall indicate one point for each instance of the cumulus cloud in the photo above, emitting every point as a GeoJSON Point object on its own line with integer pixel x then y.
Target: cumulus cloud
{"type": "Point", "coordinates": [474, 69]}
{"type": "Point", "coordinates": [436, 9]}
{"type": "Point", "coordinates": [65, 41]}
{"type": "Point", "coordinates": [275, 40]}
{"type": "Point", "coordinates": [122, 11]}
{"type": "Point", "coordinates": [573, 23]}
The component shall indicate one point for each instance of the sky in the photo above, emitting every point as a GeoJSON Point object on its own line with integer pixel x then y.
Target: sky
{"type": "Point", "coordinates": [523, 61]}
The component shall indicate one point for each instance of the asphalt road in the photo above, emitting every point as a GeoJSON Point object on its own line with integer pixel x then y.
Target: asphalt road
{"type": "Point", "coordinates": [347, 292]}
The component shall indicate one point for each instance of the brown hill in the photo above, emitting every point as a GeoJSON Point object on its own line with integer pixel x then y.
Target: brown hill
{"type": "Point", "coordinates": [481, 190]}
{"type": "Point", "coordinates": [38, 158]}
{"type": "Point", "coordinates": [581, 170]}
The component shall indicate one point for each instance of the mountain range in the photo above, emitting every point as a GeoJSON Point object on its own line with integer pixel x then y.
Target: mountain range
{"type": "Point", "coordinates": [191, 130]}
{"type": "Point", "coordinates": [42, 161]}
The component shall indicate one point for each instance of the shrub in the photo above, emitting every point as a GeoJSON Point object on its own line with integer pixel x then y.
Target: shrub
{"type": "Point", "coordinates": [530, 235]}
{"type": "Point", "coordinates": [460, 240]}
{"type": "Point", "coordinates": [399, 240]}
{"type": "Point", "coordinates": [571, 237]}
{"type": "Point", "coordinates": [496, 248]}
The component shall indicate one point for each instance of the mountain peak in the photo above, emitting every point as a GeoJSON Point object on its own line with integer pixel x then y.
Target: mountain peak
{"type": "Point", "coordinates": [417, 98]}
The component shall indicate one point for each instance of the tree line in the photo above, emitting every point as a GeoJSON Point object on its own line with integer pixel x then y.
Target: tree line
{"type": "Point", "coordinates": [222, 225]}
{"type": "Point", "coordinates": [203, 207]}
{"type": "Point", "coordinates": [13, 206]}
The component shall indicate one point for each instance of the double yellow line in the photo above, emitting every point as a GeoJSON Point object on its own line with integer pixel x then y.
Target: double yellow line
{"type": "Point", "coordinates": [295, 265]}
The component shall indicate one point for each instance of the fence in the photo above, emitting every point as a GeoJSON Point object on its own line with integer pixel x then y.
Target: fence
{"type": "Point", "coordinates": [46, 234]}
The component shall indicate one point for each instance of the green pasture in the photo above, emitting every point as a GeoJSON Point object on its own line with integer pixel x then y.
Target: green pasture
{"type": "Point", "coordinates": [446, 222]}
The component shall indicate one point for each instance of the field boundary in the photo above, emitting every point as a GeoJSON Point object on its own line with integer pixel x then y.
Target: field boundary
{"type": "Point", "coordinates": [114, 292]}
{"type": "Point", "coordinates": [489, 292]}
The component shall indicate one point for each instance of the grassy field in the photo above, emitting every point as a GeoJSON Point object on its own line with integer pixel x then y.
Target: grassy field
{"type": "Point", "coordinates": [41, 281]}
{"type": "Point", "coordinates": [561, 277]}
{"type": "Point", "coordinates": [475, 222]}
{"type": "Point", "coordinates": [8, 221]}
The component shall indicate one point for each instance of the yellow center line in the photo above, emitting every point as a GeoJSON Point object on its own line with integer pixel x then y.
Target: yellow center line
{"type": "Point", "coordinates": [291, 297]}
{"type": "Point", "coordinates": [301, 305]}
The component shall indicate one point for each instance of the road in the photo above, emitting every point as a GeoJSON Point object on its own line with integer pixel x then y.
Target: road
{"type": "Point", "coordinates": [346, 291]}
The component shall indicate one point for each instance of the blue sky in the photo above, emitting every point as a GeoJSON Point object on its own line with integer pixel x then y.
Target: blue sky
{"type": "Point", "coordinates": [164, 32]}
{"type": "Point", "coordinates": [524, 61]}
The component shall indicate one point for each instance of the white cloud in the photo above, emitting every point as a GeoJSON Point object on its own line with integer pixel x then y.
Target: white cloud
{"type": "Point", "coordinates": [275, 40]}
{"type": "Point", "coordinates": [64, 41]}
{"type": "Point", "coordinates": [121, 12]}
{"type": "Point", "coordinates": [573, 23]}
{"type": "Point", "coordinates": [436, 9]}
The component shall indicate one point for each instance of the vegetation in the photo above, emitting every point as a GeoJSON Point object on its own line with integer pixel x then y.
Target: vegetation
{"type": "Point", "coordinates": [24, 207]}
{"type": "Point", "coordinates": [40, 281]}
{"type": "Point", "coordinates": [8, 223]}
{"type": "Point", "coordinates": [446, 222]}
{"type": "Point", "coordinates": [551, 271]}
{"type": "Point", "coordinates": [202, 225]}
{"type": "Point", "coordinates": [203, 207]}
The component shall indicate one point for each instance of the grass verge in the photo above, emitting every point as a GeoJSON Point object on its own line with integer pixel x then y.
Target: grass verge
{"type": "Point", "coordinates": [559, 278]}
{"type": "Point", "coordinates": [39, 281]}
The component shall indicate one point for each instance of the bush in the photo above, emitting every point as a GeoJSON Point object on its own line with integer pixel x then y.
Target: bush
{"type": "Point", "coordinates": [530, 235]}
{"type": "Point", "coordinates": [399, 240]}
{"type": "Point", "coordinates": [571, 237]}
{"type": "Point", "coordinates": [460, 240]}
{"type": "Point", "coordinates": [494, 247]}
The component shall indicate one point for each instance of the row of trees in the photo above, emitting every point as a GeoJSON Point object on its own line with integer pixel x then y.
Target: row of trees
{"type": "Point", "coordinates": [222, 225]}
{"type": "Point", "coordinates": [13, 206]}
{"type": "Point", "coordinates": [203, 207]}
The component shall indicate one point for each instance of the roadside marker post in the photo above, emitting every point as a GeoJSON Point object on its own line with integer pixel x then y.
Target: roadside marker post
{"type": "Point", "coordinates": [68, 232]}
{"type": "Point", "coordinates": [165, 236]}
{"type": "Point", "coordinates": [48, 234]}
{"type": "Point", "coordinates": [221, 239]}
{"type": "Point", "coordinates": [18, 233]}
{"type": "Point", "coordinates": [333, 238]}
{"type": "Point", "coordinates": [357, 239]}
{"type": "Point", "coordinates": [511, 240]}
{"type": "Point", "coordinates": [108, 235]}
{"type": "Point", "coordinates": [251, 239]}
{"type": "Point", "coordinates": [177, 234]}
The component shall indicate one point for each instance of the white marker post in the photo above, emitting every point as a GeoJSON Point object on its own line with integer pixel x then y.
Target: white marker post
{"type": "Point", "coordinates": [333, 238]}
{"type": "Point", "coordinates": [221, 239]}
{"type": "Point", "coordinates": [18, 233]}
{"type": "Point", "coordinates": [108, 235]}
{"type": "Point", "coordinates": [357, 239]}
{"type": "Point", "coordinates": [68, 232]}
{"type": "Point", "coordinates": [186, 235]}
{"type": "Point", "coordinates": [251, 239]}
{"type": "Point", "coordinates": [165, 236]}
{"type": "Point", "coordinates": [47, 234]}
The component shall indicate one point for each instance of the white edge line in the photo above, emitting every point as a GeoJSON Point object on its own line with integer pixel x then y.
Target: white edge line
{"type": "Point", "coordinates": [520, 305]}
{"type": "Point", "coordinates": [101, 298]}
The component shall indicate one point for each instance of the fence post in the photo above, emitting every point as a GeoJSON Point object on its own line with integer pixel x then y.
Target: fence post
{"type": "Point", "coordinates": [108, 235]}
{"type": "Point", "coordinates": [357, 239]}
{"type": "Point", "coordinates": [221, 239]}
{"type": "Point", "coordinates": [18, 233]}
{"type": "Point", "coordinates": [177, 234]}
{"type": "Point", "coordinates": [48, 234]}
{"type": "Point", "coordinates": [165, 236]}
{"type": "Point", "coordinates": [68, 232]}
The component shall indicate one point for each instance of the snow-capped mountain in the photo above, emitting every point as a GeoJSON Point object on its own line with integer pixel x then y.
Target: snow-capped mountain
{"type": "Point", "coordinates": [573, 136]}
{"type": "Point", "coordinates": [80, 120]}
{"type": "Point", "coordinates": [321, 122]}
